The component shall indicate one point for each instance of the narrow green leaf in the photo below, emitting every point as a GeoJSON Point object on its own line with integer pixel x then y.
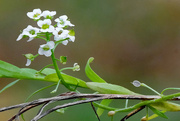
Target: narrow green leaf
{"type": "Point", "coordinates": [166, 105]}
{"type": "Point", "coordinates": [9, 85]}
{"type": "Point", "coordinates": [106, 88]}
{"type": "Point", "coordinates": [159, 113]}
{"type": "Point", "coordinates": [8, 70]}
{"type": "Point", "coordinates": [39, 90]}
{"type": "Point", "coordinates": [151, 117]}
{"type": "Point", "coordinates": [105, 102]}
{"type": "Point", "coordinates": [68, 79]}
{"type": "Point", "coordinates": [91, 74]}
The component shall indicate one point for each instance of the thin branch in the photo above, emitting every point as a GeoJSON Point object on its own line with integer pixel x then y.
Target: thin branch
{"type": "Point", "coordinates": [95, 111]}
{"type": "Point", "coordinates": [88, 98]}
{"type": "Point", "coordinates": [65, 105]}
{"type": "Point", "coordinates": [42, 108]}
{"type": "Point", "coordinates": [26, 109]}
{"type": "Point", "coordinates": [132, 113]}
{"type": "Point", "coordinates": [75, 96]}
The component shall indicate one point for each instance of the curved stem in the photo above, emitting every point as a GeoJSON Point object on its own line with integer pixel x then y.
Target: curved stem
{"type": "Point", "coordinates": [45, 67]}
{"type": "Point", "coordinates": [67, 68]}
{"type": "Point", "coordinates": [58, 71]}
{"type": "Point", "coordinates": [41, 38]}
{"type": "Point", "coordinates": [47, 36]}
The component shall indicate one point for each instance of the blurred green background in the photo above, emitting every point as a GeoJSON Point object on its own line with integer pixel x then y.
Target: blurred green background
{"type": "Point", "coordinates": [129, 39]}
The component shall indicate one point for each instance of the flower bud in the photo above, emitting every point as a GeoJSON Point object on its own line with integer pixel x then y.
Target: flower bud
{"type": "Point", "coordinates": [63, 59]}
{"type": "Point", "coordinates": [72, 32]}
{"type": "Point", "coordinates": [111, 113]}
{"type": "Point", "coordinates": [136, 83]}
{"type": "Point", "coordinates": [76, 67]}
{"type": "Point", "coordinates": [29, 56]}
{"type": "Point", "coordinates": [144, 119]}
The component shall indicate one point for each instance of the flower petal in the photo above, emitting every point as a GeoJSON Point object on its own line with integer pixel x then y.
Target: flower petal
{"type": "Point", "coordinates": [63, 17]}
{"type": "Point", "coordinates": [19, 37]}
{"type": "Point", "coordinates": [48, 53]}
{"type": "Point", "coordinates": [41, 51]}
{"type": "Point", "coordinates": [28, 62]}
{"type": "Point", "coordinates": [51, 44]}
{"type": "Point", "coordinates": [31, 38]}
{"type": "Point", "coordinates": [65, 42]}
{"type": "Point", "coordinates": [40, 23]}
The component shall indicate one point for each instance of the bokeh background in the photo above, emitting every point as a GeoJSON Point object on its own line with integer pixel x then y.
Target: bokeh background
{"type": "Point", "coordinates": [129, 39]}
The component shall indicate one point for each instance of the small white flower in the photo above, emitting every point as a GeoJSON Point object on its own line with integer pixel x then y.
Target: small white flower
{"type": "Point", "coordinates": [62, 21]}
{"type": "Point", "coordinates": [48, 15]}
{"type": "Point", "coordinates": [30, 31]}
{"type": "Point", "coordinates": [76, 67]}
{"type": "Point", "coordinates": [36, 14]}
{"type": "Point", "coordinates": [61, 34]}
{"type": "Point", "coordinates": [59, 31]}
{"type": "Point", "coordinates": [136, 83]}
{"type": "Point", "coordinates": [45, 25]}
{"type": "Point", "coordinates": [45, 49]}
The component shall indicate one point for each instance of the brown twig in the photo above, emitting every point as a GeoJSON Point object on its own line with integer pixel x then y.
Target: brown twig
{"type": "Point", "coordinates": [132, 113]}
{"type": "Point", "coordinates": [67, 96]}
{"type": "Point", "coordinates": [95, 111]}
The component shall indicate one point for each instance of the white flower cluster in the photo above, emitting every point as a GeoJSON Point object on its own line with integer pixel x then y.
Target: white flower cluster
{"type": "Point", "coordinates": [45, 28]}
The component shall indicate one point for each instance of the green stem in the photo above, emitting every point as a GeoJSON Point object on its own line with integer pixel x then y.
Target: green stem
{"type": "Point", "coordinates": [36, 55]}
{"type": "Point", "coordinates": [126, 105]}
{"type": "Point", "coordinates": [144, 85]}
{"type": "Point", "coordinates": [58, 71]}
{"type": "Point", "coordinates": [170, 89]}
{"type": "Point", "coordinates": [147, 112]}
{"type": "Point", "coordinates": [41, 38]}
{"type": "Point", "coordinates": [45, 67]}
{"type": "Point", "coordinates": [112, 118]}
{"type": "Point", "coordinates": [67, 68]}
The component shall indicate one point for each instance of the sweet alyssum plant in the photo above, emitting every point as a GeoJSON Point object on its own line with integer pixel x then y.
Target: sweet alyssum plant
{"type": "Point", "coordinates": [60, 34]}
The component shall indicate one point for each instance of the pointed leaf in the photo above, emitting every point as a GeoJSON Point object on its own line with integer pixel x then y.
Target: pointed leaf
{"type": "Point", "coordinates": [39, 90]}
{"type": "Point", "coordinates": [91, 74]}
{"type": "Point", "coordinates": [159, 113]}
{"type": "Point", "coordinates": [8, 70]}
{"type": "Point", "coordinates": [166, 105]}
{"type": "Point", "coordinates": [106, 88]}
{"type": "Point", "coordinates": [9, 85]}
